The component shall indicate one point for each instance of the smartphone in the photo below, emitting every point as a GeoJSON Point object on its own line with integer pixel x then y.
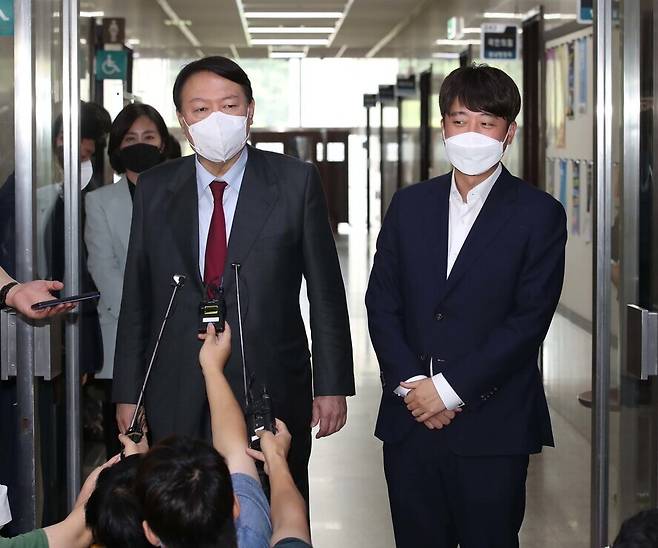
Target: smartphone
{"type": "Point", "coordinates": [93, 295]}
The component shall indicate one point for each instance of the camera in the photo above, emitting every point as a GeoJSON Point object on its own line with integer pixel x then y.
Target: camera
{"type": "Point", "coordinates": [260, 416]}
{"type": "Point", "coordinates": [213, 311]}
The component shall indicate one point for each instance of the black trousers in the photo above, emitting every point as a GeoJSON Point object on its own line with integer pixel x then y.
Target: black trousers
{"type": "Point", "coordinates": [439, 499]}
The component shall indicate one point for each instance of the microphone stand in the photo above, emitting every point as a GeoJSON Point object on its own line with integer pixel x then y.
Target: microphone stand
{"type": "Point", "coordinates": [135, 432]}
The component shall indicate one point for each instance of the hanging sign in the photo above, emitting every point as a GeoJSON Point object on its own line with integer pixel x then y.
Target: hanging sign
{"type": "Point", "coordinates": [585, 11]}
{"type": "Point", "coordinates": [111, 65]}
{"type": "Point", "coordinates": [499, 42]}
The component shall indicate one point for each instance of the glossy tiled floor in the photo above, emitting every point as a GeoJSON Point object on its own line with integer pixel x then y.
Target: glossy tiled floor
{"type": "Point", "coordinates": [349, 505]}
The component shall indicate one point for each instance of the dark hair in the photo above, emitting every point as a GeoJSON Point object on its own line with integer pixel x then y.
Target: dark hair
{"type": "Point", "coordinates": [173, 148]}
{"type": "Point", "coordinates": [113, 513]}
{"type": "Point", "coordinates": [95, 123]}
{"type": "Point", "coordinates": [639, 531]}
{"type": "Point", "coordinates": [221, 66]}
{"type": "Point", "coordinates": [481, 88]}
{"type": "Point", "coordinates": [185, 489]}
{"type": "Point", "coordinates": [122, 124]}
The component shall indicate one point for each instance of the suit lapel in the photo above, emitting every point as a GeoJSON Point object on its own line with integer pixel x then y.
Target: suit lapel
{"type": "Point", "coordinates": [436, 229]}
{"type": "Point", "coordinates": [123, 209]}
{"type": "Point", "coordinates": [183, 215]}
{"type": "Point", "coordinates": [494, 215]}
{"type": "Point", "coordinates": [258, 195]}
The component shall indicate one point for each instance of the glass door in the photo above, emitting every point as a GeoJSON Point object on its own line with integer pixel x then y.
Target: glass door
{"type": "Point", "coordinates": [39, 191]}
{"type": "Point", "coordinates": [633, 383]}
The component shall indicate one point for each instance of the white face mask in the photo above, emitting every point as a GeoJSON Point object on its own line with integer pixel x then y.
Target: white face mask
{"type": "Point", "coordinates": [86, 172]}
{"type": "Point", "coordinates": [218, 137]}
{"type": "Point", "coordinates": [473, 153]}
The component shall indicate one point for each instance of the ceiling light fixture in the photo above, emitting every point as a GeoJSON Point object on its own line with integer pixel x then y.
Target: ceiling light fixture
{"type": "Point", "coordinates": [290, 42]}
{"type": "Point", "coordinates": [291, 30]}
{"type": "Point", "coordinates": [471, 30]}
{"type": "Point", "coordinates": [445, 55]}
{"type": "Point", "coordinates": [502, 15]}
{"type": "Point", "coordinates": [287, 55]}
{"type": "Point", "coordinates": [563, 16]}
{"type": "Point", "coordinates": [463, 42]}
{"type": "Point", "coordinates": [510, 15]}
{"type": "Point", "coordinates": [92, 14]}
{"type": "Point", "coordinates": [293, 14]}
{"type": "Point", "coordinates": [178, 22]}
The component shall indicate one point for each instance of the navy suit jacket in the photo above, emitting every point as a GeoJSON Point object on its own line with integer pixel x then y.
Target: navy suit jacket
{"type": "Point", "coordinates": [483, 326]}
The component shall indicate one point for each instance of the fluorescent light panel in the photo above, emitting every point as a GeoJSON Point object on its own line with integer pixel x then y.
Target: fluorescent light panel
{"type": "Point", "coordinates": [563, 16]}
{"type": "Point", "coordinates": [290, 42]}
{"type": "Point", "coordinates": [510, 15]}
{"type": "Point", "coordinates": [464, 42]}
{"type": "Point", "coordinates": [293, 14]}
{"type": "Point", "coordinates": [291, 30]}
{"type": "Point", "coordinates": [92, 13]}
{"type": "Point", "coordinates": [502, 15]}
{"type": "Point", "coordinates": [445, 55]}
{"type": "Point", "coordinates": [287, 55]}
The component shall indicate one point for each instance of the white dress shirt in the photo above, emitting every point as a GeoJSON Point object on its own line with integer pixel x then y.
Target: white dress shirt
{"type": "Point", "coordinates": [233, 179]}
{"type": "Point", "coordinates": [461, 218]}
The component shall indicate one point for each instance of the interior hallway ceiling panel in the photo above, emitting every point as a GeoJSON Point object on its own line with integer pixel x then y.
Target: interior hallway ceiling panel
{"type": "Point", "coordinates": [382, 28]}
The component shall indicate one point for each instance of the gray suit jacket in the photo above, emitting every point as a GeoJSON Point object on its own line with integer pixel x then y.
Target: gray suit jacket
{"type": "Point", "coordinates": [107, 231]}
{"type": "Point", "coordinates": [280, 233]}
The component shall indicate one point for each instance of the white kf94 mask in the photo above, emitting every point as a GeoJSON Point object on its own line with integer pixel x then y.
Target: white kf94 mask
{"type": "Point", "coordinates": [218, 137]}
{"type": "Point", "coordinates": [473, 153]}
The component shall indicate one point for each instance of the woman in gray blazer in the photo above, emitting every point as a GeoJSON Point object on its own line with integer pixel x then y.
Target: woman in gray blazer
{"type": "Point", "coordinates": [138, 141]}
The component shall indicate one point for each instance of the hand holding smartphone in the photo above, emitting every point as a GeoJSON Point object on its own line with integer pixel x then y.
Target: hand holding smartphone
{"type": "Point", "coordinates": [93, 295]}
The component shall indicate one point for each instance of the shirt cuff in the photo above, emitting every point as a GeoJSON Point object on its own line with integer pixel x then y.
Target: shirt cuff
{"type": "Point", "coordinates": [448, 396]}
{"type": "Point", "coordinates": [401, 391]}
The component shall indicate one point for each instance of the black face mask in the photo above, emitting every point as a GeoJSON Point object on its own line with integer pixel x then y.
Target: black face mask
{"type": "Point", "coordinates": [140, 157]}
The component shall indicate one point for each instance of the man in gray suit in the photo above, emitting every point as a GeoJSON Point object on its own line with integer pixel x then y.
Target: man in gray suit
{"type": "Point", "coordinates": [197, 216]}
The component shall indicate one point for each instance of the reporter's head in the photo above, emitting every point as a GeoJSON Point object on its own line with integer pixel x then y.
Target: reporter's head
{"type": "Point", "coordinates": [185, 489]}
{"type": "Point", "coordinates": [113, 513]}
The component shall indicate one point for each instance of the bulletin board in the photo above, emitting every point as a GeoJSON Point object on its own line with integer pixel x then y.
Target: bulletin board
{"type": "Point", "coordinates": [570, 156]}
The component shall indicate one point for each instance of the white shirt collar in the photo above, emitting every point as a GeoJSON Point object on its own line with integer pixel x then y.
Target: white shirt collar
{"type": "Point", "coordinates": [233, 177]}
{"type": "Point", "coordinates": [481, 191]}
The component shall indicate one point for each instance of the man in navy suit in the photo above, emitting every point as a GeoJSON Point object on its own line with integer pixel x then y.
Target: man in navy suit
{"type": "Point", "coordinates": [467, 275]}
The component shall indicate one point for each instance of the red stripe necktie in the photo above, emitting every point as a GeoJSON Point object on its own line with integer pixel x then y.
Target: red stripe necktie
{"type": "Point", "coordinates": [216, 244]}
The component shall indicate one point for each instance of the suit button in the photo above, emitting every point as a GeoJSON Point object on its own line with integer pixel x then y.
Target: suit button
{"type": "Point", "coordinates": [438, 316]}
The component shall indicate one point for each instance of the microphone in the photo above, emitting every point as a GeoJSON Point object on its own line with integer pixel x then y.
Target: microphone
{"type": "Point", "coordinates": [136, 432]}
{"type": "Point", "coordinates": [259, 412]}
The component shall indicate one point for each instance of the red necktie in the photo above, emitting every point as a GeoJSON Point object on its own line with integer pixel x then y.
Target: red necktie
{"type": "Point", "coordinates": [216, 243]}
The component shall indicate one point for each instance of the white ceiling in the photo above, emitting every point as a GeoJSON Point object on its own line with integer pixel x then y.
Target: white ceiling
{"type": "Point", "coordinates": [385, 28]}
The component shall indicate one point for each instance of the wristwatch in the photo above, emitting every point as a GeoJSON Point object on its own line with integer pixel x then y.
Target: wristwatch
{"type": "Point", "coordinates": [3, 294]}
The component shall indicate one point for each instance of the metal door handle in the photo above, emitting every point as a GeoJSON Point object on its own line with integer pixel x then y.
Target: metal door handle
{"type": "Point", "coordinates": [642, 342]}
{"type": "Point", "coordinates": [7, 344]}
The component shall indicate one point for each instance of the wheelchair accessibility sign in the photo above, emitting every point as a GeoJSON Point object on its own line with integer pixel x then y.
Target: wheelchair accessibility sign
{"type": "Point", "coordinates": [111, 65]}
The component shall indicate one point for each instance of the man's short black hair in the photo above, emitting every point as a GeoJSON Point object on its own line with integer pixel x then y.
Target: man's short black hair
{"type": "Point", "coordinates": [113, 513]}
{"type": "Point", "coordinates": [95, 123]}
{"type": "Point", "coordinates": [122, 123]}
{"type": "Point", "coordinates": [639, 531]}
{"type": "Point", "coordinates": [221, 66]}
{"type": "Point", "coordinates": [481, 88]}
{"type": "Point", "coordinates": [185, 489]}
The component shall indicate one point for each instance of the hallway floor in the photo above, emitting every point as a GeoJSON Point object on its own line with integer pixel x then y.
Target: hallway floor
{"type": "Point", "coordinates": [349, 504]}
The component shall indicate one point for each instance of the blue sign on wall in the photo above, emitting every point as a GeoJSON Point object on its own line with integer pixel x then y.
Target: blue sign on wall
{"type": "Point", "coordinates": [585, 11]}
{"type": "Point", "coordinates": [6, 17]}
{"type": "Point", "coordinates": [499, 42]}
{"type": "Point", "coordinates": [111, 65]}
